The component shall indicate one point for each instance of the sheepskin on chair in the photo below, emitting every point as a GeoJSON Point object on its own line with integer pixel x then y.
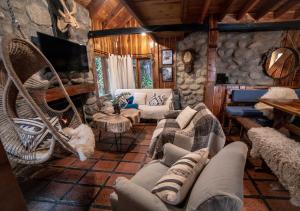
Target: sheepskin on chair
{"type": "Point", "coordinates": [275, 93]}
{"type": "Point", "coordinates": [281, 154]}
{"type": "Point", "coordinates": [82, 139]}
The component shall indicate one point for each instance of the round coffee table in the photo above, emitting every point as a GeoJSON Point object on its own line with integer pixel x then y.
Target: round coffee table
{"type": "Point", "coordinates": [117, 123]}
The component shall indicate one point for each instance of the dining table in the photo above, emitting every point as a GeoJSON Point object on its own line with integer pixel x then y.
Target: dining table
{"type": "Point", "coordinates": [284, 112]}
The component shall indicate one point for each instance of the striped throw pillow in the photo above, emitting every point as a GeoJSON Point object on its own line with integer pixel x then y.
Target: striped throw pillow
{"type": "Point", "coordinates": [173, 187]}
{"type": "Point", "coordinates": [157, 100]}
{"type": "Point", "coordinates": [34, 135]}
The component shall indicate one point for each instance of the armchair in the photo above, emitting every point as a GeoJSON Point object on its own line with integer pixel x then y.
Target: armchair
{"type": "Point", "coordinates": [203, 131]}
{"type": "Point", "coordinates": [218, 187]}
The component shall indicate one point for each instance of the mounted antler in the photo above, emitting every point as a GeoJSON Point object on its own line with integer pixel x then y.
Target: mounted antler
{"type": "Point", "coordinates": [67, 18]}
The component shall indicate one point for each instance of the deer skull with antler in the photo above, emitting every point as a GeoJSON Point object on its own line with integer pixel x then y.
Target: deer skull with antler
{"type": "Point", "coordinates": [66, 18]}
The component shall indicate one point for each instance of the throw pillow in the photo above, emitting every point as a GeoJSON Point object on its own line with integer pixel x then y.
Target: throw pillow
{"type": "Point", "coordinates": [130, 99]}
{"type": "Point", "coordinates": [173, 187]}
{"type": "Point", "coordinates": [140, 98]}
{"type": "Point", "coordinates": [185, 117]}
{"type": "Point", "coordinates": [133, 105]}
{"type": "Point", "coordinates": [34, 135]}
{"type": "Point", "coordinates": [157, 100]}
{"type": "Point", "coordinates": [123, 102]}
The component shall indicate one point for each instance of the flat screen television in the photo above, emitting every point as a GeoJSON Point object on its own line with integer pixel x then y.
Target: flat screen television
{"type": "Point", "coordinates": [65, 56]}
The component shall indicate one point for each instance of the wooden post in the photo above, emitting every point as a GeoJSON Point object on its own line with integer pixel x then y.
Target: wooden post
{"type": "Point", "coordinates": [213, 35]}
{"type": "Point", "coordinates": [11, 197]}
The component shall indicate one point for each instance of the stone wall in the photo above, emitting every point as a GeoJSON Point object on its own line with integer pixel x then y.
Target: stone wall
{"type": "Point", "coordinates": [34, 16]}
{"type": "Point", "coordinates": [240, 56]}
{"type": "Point", "coordinates": [191, 85]}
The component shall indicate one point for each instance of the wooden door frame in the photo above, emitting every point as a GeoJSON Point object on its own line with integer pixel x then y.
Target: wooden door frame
{"type": "Point", "coordinates": [138, 78]}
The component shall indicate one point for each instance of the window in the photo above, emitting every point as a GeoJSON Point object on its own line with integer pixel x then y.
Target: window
{"type": "Point", "coordinates": [134, 67]}
{"type": "Point", "coordinates": [144, 73]}
{"type": "Point", "coordinates": [101, 70]}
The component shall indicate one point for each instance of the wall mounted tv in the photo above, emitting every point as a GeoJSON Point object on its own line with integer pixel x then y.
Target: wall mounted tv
{"type": "Point", "coordinates": [65, 56]}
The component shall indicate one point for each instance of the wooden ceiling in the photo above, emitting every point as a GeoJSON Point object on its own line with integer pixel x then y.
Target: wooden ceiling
{"type": "Point", "coordinates": [116, 13]}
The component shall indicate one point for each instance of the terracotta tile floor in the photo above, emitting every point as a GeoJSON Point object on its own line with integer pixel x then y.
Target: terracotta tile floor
{"type": "Point", "coordinates": [69, 184]}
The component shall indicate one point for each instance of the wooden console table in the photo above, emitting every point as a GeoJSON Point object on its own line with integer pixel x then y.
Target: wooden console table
{"type": "Point", "coordinates": [283, 111]}
{"type": "Point", "coordinates": [56, 93]}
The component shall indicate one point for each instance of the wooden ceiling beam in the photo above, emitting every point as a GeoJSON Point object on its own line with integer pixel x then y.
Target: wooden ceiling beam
{"type": "Point", "coordinates": [94, 6]}
{"type": "Point", "coordinates": [248, 6]}
{"type": "Point", "coordinates": [227, 7]}
{"type": "Point", "coordinates": [285, 7]}
{"type": "Point", "coordinates": [205, 10]}
{"type": "Point", "coordinates": [184, 7]}
{"type": "Point", "coordinates": [221, 27]}
{"type": "Point", "coordinates": [268, 5]}
{"type": "Point", "coordinates": [128, 6]}
{"type": "Point", "coordinates": [113, 13]}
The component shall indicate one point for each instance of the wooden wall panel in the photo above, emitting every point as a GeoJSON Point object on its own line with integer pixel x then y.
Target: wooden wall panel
{"type": "Point", "coordinates": [139, 46]}
{"type": "Point", "coordinates": [167, 43]}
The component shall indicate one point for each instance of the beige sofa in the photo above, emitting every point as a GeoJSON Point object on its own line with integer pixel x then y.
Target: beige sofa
{"type": "Point", "coordinates": [152, 112]}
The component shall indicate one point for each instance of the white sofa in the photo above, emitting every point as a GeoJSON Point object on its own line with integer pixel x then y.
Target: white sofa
{"type": "Point", "coordinates": [152, 112]}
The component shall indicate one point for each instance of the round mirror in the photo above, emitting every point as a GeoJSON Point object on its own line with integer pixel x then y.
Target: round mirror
{"type": "Point", "coordinates": [280, 63]}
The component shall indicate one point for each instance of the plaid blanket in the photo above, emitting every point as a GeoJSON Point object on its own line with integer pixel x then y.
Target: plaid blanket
{"type": "Point", "coordinates": [203, 131]}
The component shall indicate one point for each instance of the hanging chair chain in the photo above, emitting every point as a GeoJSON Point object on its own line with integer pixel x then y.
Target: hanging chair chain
{"type": "Point", "coordinates": [14, 21]}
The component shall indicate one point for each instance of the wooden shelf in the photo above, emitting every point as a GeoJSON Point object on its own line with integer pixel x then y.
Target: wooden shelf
{"type": "Point", "coordinates": [54, 94]}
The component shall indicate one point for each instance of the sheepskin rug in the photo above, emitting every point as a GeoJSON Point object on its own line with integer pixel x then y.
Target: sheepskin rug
{"type": "Point", "coordinates": [281, 154]}
{"type": "Point", "coordinates": [275, 93]}
{"type": "Point", "coordinates": [82, 140]}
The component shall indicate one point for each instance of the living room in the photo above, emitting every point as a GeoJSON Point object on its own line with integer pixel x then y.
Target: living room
{"type": "Point", "coordinates": [150, 105]}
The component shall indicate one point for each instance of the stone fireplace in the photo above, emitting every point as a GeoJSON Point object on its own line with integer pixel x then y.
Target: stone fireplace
{"type": "Point", "coordinates": [40, 16]}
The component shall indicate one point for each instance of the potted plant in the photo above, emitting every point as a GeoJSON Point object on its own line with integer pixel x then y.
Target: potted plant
{"type": "Point", "coordinates": [120, 101]}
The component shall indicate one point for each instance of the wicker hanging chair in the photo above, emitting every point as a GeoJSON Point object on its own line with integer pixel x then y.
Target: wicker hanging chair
{"type": "Point", "coordinates": [23, 97]}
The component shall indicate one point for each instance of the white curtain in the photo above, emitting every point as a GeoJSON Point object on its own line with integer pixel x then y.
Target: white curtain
{"type": "Point", "coordinates": [120, 71]}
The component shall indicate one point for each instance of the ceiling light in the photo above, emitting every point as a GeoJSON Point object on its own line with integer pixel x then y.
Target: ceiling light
{"type": "Point", "coordinates": [143, 34]}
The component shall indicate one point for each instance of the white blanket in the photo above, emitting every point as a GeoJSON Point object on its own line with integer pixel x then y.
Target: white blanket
{"type": "Point", "coordinates": [82, 140]}
{"type": "Point", "coordinates": [281, 154]}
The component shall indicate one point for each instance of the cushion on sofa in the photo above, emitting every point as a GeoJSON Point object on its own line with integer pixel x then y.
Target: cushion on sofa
{"type": "Point", "coordinates": [148, 176]}
{"type": "Point", "coordinates": [133, 105]}
{"type": "Point", "coordinates": [185, 116]}
{"type": "Point", "coordinates": [250, 96]}
{"type": "Point", "coordinates": [174, 186]}
{"type": "Point", "coordinates": [130, 100]}
{"type": "Point", "coordinates": [153, 112]}
{"type": "Point", "coordinates": [130, 196]}
{"type": "Point", "coordinates": [246, 111]}
{"type": "Point", "coordinates": [139, 98]}
{"type": "Point", "coordinates": [157, 100]}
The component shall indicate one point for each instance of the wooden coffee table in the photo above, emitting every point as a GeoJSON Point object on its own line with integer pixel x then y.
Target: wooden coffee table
{"type": "Point", "coordinates": [117, 123]}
